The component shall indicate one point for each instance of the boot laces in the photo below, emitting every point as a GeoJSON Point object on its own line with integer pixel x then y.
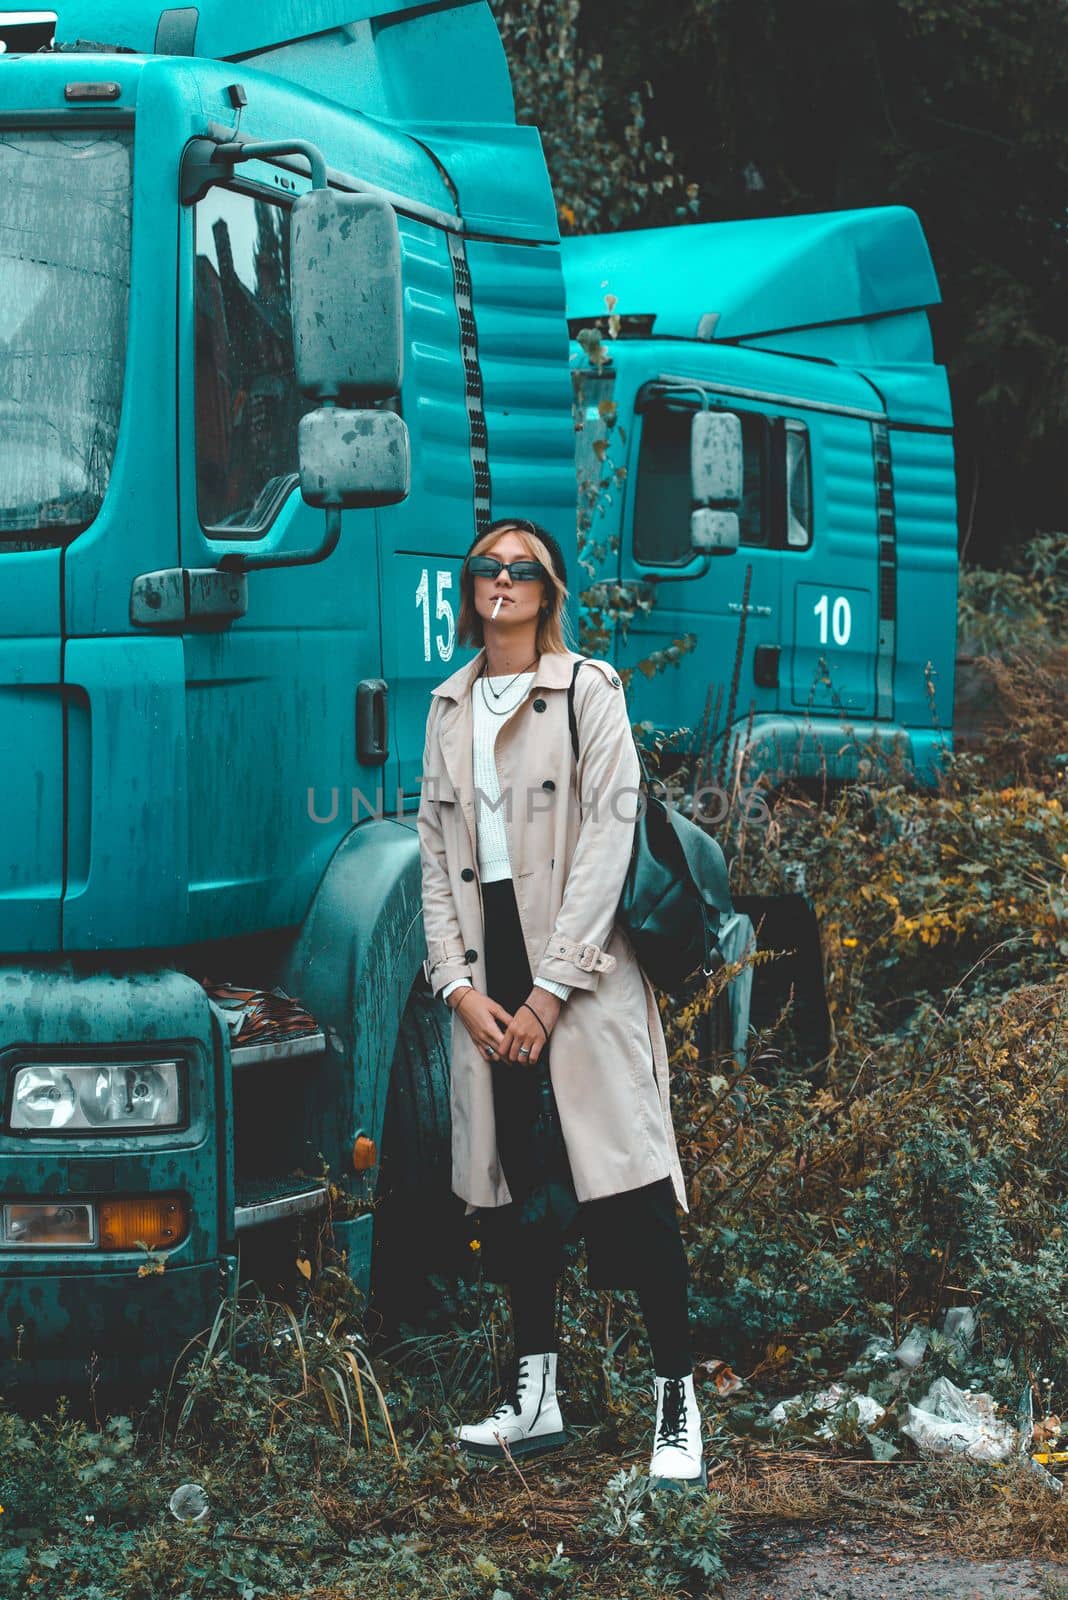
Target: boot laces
{"type": "Point", "coordinates": [673, 1418]}
{"type": "Point", "coordinates": [512, 1402]}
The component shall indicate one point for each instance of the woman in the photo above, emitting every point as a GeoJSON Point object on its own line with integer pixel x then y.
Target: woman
{"type": "Point", "coordinates": [524, 853]}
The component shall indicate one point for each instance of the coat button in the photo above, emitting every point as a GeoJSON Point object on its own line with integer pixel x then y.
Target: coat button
{"type": "Point", "coordinates": [548, 784]}
{"type": "Point", "coordinates": [470, 955]}
{"type": "Point", "coordinates": [539, 705]}
{"type": "Point", "coordinates": [467, 874]}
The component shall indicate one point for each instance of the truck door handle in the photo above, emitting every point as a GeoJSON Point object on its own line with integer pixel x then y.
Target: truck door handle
{"type": "Point", "coordinates": [372, 722]}
{"type": "Point", "coordinates": [766, 666]}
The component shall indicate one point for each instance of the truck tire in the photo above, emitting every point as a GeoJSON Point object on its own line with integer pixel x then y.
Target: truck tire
{"type": "Point", "coordinates": [417, 1217]}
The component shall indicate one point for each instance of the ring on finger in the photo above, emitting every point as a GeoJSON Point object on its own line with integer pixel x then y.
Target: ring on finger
{"type": "Point", "coordinates": [524, 1050]}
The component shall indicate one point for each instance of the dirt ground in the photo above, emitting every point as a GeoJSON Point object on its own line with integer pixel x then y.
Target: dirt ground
{"type": "Point", "coordinates": [837, 1564]}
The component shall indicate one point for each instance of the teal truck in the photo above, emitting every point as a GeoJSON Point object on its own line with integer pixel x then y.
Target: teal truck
{"type": "Point", "coordinates": [212, 712]}
{"type": "Point", "coordinates": [259, 263]}
{"type": "Point", "coordinates": [820, 586]}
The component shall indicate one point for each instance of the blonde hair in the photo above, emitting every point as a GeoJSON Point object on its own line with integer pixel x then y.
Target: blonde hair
{"type": "Point", "coordinates": [549, 637]}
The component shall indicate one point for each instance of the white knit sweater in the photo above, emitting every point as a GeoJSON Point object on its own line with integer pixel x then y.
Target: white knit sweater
{"type": "Point", "coordinates": [493, 862]}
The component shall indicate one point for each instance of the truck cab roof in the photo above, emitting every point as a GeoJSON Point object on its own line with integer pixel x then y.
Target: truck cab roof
{"type": "Point", "coordinates": [729, 281]}
{"type": "Point", "coordinates": [219, 29]}
{"type": "Point", "coordinates": [340, 72]}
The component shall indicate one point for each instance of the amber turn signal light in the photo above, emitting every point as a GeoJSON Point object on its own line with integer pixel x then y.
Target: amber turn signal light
{"type": "Point", "coordinates": [157, 1221]}
{"type": "Point", "coordinates": [364, 1154]}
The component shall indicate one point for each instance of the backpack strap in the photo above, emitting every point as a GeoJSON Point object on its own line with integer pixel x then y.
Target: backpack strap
{"type": "Point", "coordinates": [571, 722]}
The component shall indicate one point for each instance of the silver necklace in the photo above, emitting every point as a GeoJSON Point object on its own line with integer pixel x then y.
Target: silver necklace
{"type": "Point", "coordinates": [499, 693]}
{"type": "Point", "coordinates": [496, 693]}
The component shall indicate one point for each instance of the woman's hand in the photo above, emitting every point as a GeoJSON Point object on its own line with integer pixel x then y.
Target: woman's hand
{"type": "Point", "coordinates": [524, 1039]}
{"type": "Point", "coordinates": [484, 1019]}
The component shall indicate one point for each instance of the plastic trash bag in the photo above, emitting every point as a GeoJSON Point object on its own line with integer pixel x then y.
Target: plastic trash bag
{"type": "Point", "coordinates": [912, 1349]}
{"type": "Point", "coordinates": [835, 1398]}
{"type": "Point", "coordinates": [949, 1421]}
{"type": "Point", "coordinates": [961, 1323]}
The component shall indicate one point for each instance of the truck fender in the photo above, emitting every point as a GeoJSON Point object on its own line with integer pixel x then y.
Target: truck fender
{"type": "Point", "coordinates": [353, 964]}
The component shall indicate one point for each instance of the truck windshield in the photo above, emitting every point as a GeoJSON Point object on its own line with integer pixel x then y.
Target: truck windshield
{"type": "Point", "coordinates": [64, 286]}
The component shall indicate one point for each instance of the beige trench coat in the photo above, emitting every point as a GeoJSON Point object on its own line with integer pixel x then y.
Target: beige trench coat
{"type": "Point", "coordinates": [569, 854]}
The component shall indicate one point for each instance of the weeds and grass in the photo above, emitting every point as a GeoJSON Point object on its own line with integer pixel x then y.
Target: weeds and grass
{"type": "Point", "coordinates": [922, 1167]}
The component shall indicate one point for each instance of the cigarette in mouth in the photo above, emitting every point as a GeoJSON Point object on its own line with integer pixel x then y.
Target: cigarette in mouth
{"type": "Point", "coordinates": [497, 604]}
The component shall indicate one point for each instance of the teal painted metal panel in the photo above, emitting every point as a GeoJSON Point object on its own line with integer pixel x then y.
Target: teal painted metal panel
{"type": "Point", "coordinates": [828, 746]}
{"type": "Point", "coordinates": [423, 539]}
{"type": "Point", "coordinates": [31, 735]}
{"type": "Point", "coordinates": [710, 606]}
{"type": "Point", "coordinates": [756, 276]}
{"type": "Point", "coordinates": [353, 962]}
{"type": "Point", "coordinates": [517, 299]}
{"type": "Point", "coordinates": [223, 27]}
{"type": "Point", "coordinates": [127, 885]}
{"type": "Point", "coordinates": [902, 337]}
{"type": "Point", "coordinates": [927, 566]}
{"type": "Point", "coordinates": [33, 575]}
{"type": "Point", "coordinates": [393, 69]}
{"type": "Point", "coordinates": [499, 174]}
{"type": "Point", "coordinates": [262, 829]}
{"type": "Point", "coordinates": [522, 343]}
{"type": "Point", "coordinates": [833, 590]}
{"type": "Point", "coordinates": [912, 393]}
{"type": "Point", "coordinates": [127, 1323]}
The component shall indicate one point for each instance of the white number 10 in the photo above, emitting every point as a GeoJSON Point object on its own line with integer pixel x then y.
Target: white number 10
{"type": "Point", "coordinates": [841, 619]}
{"type": "Point", "coordinates": [442, 611]}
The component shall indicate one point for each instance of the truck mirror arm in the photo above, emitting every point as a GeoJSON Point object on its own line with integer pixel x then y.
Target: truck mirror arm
{"type": "Point", "coordinates": [206, 162]}
{"type": "Point", "coordinates": [240, 561]}
{"type": "Point", "coordinates": [693, 569]}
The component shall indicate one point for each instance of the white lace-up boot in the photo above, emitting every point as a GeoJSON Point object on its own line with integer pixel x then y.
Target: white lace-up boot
{"type": "Point", "coordinates": [678, 1456]}
{"type": "Point", "coordinates": [528, 1420]}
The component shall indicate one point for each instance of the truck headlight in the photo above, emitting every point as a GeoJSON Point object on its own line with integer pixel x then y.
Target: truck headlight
{"type": "Point", "coordinates": [72, 1097]}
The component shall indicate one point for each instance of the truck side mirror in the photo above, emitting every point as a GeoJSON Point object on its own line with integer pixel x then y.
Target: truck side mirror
{"type": "Point", "coordinates": [716, 477]}
{"type": "Point", "coordinates": [347, 309]}
{"type": "Point", "coordinates": [348, 348]}
{"type": "Point", "coordinates": [713, 532]}
{"type": "Point", "coordinates": [353, 458]}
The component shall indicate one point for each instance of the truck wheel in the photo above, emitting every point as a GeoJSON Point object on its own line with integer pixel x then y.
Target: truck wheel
{"type": "Point", "coordinates": [417, 1216]}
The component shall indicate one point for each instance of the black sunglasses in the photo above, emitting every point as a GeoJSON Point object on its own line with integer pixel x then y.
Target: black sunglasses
{"type": "Point", "coordinates": [519, 571]}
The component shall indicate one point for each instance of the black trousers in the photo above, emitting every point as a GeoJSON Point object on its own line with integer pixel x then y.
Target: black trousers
{"type": "Point", "coordinates": [632, 1239]}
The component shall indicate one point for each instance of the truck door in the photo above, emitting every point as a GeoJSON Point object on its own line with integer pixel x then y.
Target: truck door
{"type": "Point", "coordinates": [721, 592]}
{"type": "Point", "coordinates": [829, 612]}
{"type": "Point", "coordinates": [277, 762]}
{"type": "Point", "coordinates": [424, 538]}
{"type": "Point", "coordinates": [64, 289]}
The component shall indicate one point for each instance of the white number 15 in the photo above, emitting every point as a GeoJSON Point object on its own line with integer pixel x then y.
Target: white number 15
{"type": "Point", "coordinates": [442, 612]}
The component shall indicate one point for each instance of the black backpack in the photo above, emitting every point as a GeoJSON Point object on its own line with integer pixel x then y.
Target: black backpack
{"type": "Point", "coordinates": [676, 895]}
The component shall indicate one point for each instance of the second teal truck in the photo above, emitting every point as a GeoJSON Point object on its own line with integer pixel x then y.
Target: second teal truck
{"type": "Point", "coordinates": [841, 550]}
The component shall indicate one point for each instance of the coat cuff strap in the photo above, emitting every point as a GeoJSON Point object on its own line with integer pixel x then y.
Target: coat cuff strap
{"type": "Point", "coordinates": [587, 957]}
{"type": "Point", "coordinates": [578, 965]}
{"type": "Point", "coordinates": [446, 959]}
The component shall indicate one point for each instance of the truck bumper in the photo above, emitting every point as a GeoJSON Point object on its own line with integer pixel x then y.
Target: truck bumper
{"type": "Point", "coordinates": [52, 1326]}
{"type": "Point", "coordinates": [786, 746]}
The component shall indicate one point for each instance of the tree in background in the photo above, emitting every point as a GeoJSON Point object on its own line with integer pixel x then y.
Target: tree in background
{"type": "Point", "coordinates": [953, 107]}
{"type": "Point", "coordinates": [607, 172]}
